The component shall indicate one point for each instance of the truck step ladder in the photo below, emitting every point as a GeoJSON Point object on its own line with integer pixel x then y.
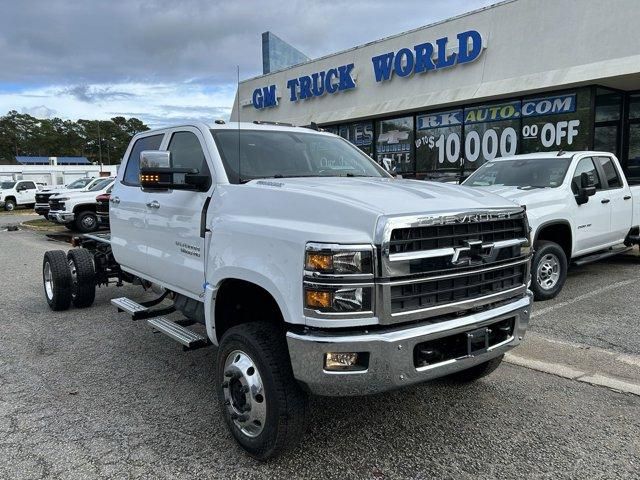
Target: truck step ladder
{"type": "Point", "coordinates": [600, 256]}
{"type": "Point", "coordinates": [189, 339]}
{"type": "Point", "coordinates": [139, 311]}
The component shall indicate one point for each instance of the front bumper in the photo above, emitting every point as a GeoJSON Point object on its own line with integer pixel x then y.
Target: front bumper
{"type": "Point", "coordinates": [62, 217]}
{"type": "Point", "coordinates": [41, 209]}
{"type": "Point", "coordinates": [391, 352]}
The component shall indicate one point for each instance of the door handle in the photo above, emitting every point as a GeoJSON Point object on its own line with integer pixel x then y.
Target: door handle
{"type": "Point", "coordinates": [627, 197]}
{"type": "Point", "coordinates": [605, 200]}
{"type": "Point", "coordinates": [115, 200]}
{"type": "Point", "coordinates": [153, 204]}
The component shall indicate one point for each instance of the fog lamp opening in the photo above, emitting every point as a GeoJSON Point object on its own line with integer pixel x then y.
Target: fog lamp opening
{"type": "Point", "coordinates": [346, 361]}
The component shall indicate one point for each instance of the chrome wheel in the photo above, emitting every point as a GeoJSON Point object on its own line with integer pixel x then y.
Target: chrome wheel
{"type": "Point", "coordinates": [244, 393]}
{"type": "Point", "coordinates": [548, 271]}
{"type": "Point", "coordinates": [48, 281]}
{"type": "Point", "coordinates": [88, 222]}
{"type": "Point", "coordinates": [74, 278]}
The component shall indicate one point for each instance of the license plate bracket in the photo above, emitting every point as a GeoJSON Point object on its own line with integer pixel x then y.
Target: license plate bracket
{"type": "Point", "coordinates": [477, 341]}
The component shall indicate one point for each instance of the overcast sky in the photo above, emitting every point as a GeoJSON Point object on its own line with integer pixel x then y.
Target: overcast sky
{"type": "Point", "coordinates": [164, 61]}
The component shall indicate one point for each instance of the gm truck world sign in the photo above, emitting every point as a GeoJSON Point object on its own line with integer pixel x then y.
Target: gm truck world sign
{"type": "Point", "coordinates": [404, 63]}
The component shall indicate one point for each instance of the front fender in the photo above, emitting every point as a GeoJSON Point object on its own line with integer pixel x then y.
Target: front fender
{"type": "Point", "coordinates": [248, 275]}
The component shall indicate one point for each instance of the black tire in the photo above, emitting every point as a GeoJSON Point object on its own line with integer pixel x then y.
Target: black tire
{"type": "Point", "coordinates": [86, 222]}
{"type": "Point", "coordinates": [56, 279]}
{"type": "Point", "coordinates": [10, 205]}
{"type": "Point", "coordinates": [286, 403]}
{"type": "Point", "coordinates": [83, 277]}
{"type": "Point", "coordinates": [475, 373]}
{"type": "Point", "coordinates": [547, 255]}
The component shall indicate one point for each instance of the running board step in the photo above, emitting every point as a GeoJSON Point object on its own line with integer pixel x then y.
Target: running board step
{"type": "Point", "coordinates": [188, 338]}
{"type": "Point", "coordinates": [601, 256]}
{"type": "Point", "coordinates": [124, 304]}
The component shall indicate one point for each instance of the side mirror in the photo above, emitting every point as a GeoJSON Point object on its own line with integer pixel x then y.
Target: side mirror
{"type": "Point", "coordinates": [156, 173]}
{"type": "Point", "coordinates": [586, 189]}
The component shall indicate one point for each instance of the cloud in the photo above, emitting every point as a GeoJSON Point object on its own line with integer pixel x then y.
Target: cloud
{"type": "Point", "coordinates": [39, 111]}
{"type": "Point", "coordinates": [91, 94]}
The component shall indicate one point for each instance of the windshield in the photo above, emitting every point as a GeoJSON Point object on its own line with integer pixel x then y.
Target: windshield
{"type": "Point", "coordinates": [7, 185]}
{"type": "Point", "coordinates": [278, 154]}
{"type": "Point", "coordinates": [523, 173]}
{"type": "Point", "coordinates": [100, 184]}
{"type": "Point", "coordinates": [80, 183]}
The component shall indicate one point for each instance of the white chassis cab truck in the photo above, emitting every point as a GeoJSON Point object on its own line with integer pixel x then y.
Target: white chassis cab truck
{"type": "Point", "coordinates": [579, 204]}
{"type": "Point", "coordinates": [17, 193]}
{"type": "Point", "coordinates": [309, 267]}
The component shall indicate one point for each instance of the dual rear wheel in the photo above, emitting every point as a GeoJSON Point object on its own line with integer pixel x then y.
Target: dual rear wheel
{"type": "Point", "coordinates": [68, 278]}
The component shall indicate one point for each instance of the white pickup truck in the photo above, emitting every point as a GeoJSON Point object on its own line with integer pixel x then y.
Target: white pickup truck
{"type": "Point", "coordinates": [17, 193]}
{"type": "Point", "coordinates": [42, 197]}
{"type": "Point", "coordinates": [77, 209]}
{"type": "Point", "coordinates": [579, 204]}
{"type": "Point", "coordinates": [311, 268]}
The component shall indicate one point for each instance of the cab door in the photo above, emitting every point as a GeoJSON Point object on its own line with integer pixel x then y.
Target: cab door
{"type": "Point", "coordinates": [592, 219]}
{"type": "Point", "coordinates": [174, 218]}
{"type": "Point", "coordinates": [619, 196]}
{"type": "Point", "coordinates": [26, 192]}
{"type": "Point", "coordinates": [128, 209]}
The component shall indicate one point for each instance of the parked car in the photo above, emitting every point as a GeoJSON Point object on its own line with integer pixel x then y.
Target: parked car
{"type": "Point", "coordinates": [102, 208]}
{"type": "Point", "coordinates": [77, 209]}
{"type": "Point", "coordinates": [17, 193]}
{"type": "Point", "coordinates": [42, 197]}
{"type": "Point", "coordinates": [311, 268]}
{"type": "Point", "coordinates": [579, 204]}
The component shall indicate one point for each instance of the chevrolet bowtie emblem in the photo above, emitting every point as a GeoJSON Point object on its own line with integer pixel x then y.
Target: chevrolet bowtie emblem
{"type": "Point", "coordinates": [473, 252]}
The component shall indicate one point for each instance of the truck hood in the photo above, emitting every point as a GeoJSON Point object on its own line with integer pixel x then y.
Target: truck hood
{"type": "Point", "coordinates": [389, 196]}
{"type": "Point", "coordinates": [531, 198]}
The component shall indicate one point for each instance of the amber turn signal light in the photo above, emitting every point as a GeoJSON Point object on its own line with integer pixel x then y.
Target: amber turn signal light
{"type": "Point", "coordinates": [318, 299]}
{"type": "Point", "coordinates": [319, 262]}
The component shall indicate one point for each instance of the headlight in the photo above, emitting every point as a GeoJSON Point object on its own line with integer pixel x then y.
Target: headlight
{"type": "Point", "coordinates": [61, 199]}
{"type": "Point", "coordinates": [339, 259]}
{"type": "Point", "coordinates": [337, 298]}
{"type": "Point", "coordinates": [338, 279]}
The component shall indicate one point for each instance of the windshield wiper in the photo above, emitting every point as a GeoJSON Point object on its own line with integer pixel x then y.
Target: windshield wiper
{"type": "Point", "coordinates": [530, 187]}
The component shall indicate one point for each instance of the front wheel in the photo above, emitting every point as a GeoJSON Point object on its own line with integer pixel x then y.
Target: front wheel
{"type": "Point", "coordinates": [261, 402]}
{"type": "Point", "coordinates": [10, 205]}
{"type": "Point", "coordinates": [86, 222]}
{"type": "Point", "coordinates": [548, 270]}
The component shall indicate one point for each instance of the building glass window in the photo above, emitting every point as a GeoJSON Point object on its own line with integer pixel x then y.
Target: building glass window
{"type": "Point", "coordinates": [394, 144]}
{"type": "Point", "coordinates": [438, 143]}
{"type": "Point", "coordinates": [605, 138]}
{"type": "Point", "coordinates": [608, 105]}
{"type": "Point", "coordinates": [559, 121]}
{"type": "Point", "coordinates": [490, 131]}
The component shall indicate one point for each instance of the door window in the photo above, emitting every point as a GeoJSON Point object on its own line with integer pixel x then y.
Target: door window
{"type": "Point", "coordinates": [132, 172]}
{"type": "Point", "coordinates": [610, 172]}
{"type": "Point", "coordinates": [30, 185]}
{"type": "Point", "coordinates": [587, 166]}
{"type": "Point", "coordinates": [186, 152]}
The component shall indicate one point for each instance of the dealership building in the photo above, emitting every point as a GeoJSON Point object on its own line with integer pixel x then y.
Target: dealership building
{"type": "Point", "coordinates": [519, 76]}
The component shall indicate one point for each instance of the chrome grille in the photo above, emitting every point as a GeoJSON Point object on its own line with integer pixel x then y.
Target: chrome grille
{"type": "Point", "coordinates": [472, 285]}
{"type": "Point", "coordinates": [436, 266]}
{"type": "Point", "coordinates": [432, 237]}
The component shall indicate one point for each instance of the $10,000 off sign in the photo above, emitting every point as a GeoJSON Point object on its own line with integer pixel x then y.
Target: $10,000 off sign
{"type": "Point", "coordinates": [488, 146]}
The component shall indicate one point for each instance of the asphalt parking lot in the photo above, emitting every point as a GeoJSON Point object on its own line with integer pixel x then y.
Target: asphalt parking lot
{"type": "Point", "coordinates": [90, 394]}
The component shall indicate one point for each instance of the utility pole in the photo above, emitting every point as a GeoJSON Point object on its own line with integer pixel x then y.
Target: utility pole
{"type": "Point", "coordinates": [99, 144]}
